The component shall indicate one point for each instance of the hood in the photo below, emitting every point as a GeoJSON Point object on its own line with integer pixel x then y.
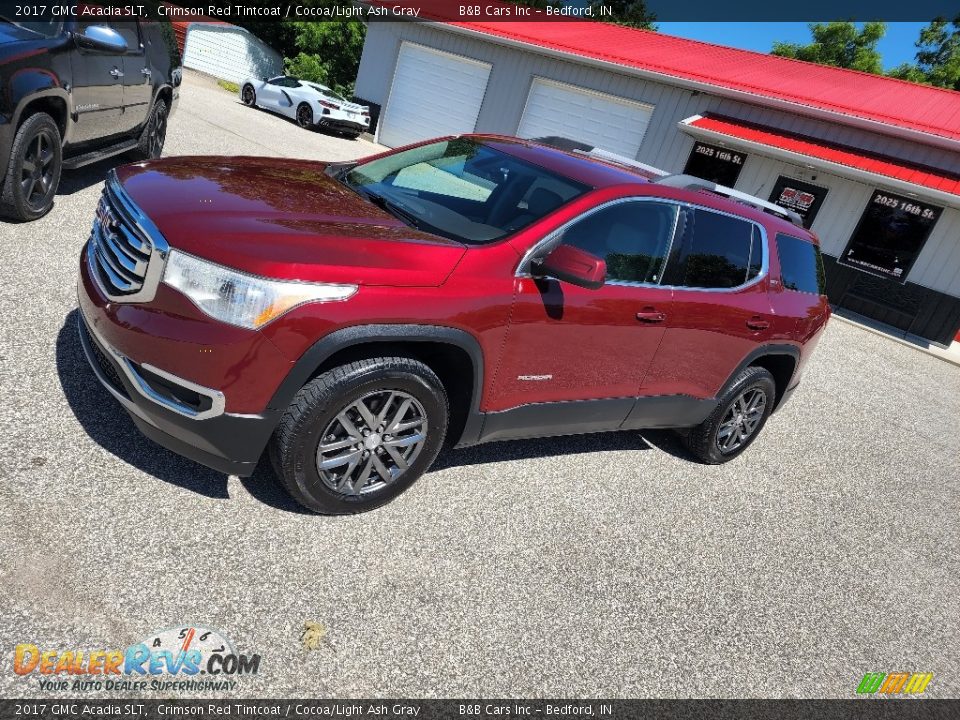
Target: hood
{"type": "Point", "coordinates": [285, 219]}
{"type": "Point", "coordinates": [10, 33]}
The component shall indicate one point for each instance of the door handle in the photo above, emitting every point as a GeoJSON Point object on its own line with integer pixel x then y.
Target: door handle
{"type": "Point", "coordinates": [145, 72]}
{"type": "Point", "coordinates": [649, 315]}
{"type": "Point", "coordinates": [757, 323]}
{"type": "Point", "coordinates": [116, 73]}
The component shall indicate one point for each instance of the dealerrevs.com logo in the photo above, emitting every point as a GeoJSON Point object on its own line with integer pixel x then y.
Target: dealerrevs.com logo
{"type": "Point", "coordinates": [185, 658]}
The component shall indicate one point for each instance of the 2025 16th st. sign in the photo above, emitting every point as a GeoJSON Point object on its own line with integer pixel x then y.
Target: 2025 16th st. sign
{"type": "Point", "coordinates": [890, 235]}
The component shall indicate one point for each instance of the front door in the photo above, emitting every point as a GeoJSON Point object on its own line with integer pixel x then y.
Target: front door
{"type": "Point", "coordinates": [97, 92]}
{"type": "Point", "coordinates": [137, 80]}
{"type": "Point", "coordinates": [567, 343]}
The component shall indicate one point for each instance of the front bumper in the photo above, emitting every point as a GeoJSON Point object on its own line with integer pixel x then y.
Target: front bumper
{"type": "Point", "coordinates": [223, 441]}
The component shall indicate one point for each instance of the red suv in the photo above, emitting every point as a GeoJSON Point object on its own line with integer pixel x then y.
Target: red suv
{"type": "Point", "coordinates": [352, 317]}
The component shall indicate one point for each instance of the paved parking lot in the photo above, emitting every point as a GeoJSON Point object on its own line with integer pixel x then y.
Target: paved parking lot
{"type": "Point", "coordinates": [590, 566]}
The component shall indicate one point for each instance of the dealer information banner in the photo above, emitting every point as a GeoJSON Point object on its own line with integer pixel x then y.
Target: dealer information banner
{"type": "Point", "coordinates": [473, 708]}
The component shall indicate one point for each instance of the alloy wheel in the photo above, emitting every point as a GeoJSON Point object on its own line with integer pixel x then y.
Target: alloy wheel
{"type": "Point", "coordinates": [248, 96]}
{"type": "Point", "coordinates": [371, 442]}
{"type": "Point", "coordinates": [158, 132]}
{"type": "Point", "coordinates": [37, 170]}
{"type": "Point", "coordinates": [304, 116]}
{"type": "Point", "coordinates": [741, 420]}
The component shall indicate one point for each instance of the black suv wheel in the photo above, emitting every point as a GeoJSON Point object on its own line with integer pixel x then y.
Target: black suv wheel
{"type": "Point", "coordinates": [33, 174]}
{"type": "Point", "coordinates": [740, 416]}
{"type": "Point", "coordinates": [154, 132]}
{"type": "Point", "coordinates": [359, 435]}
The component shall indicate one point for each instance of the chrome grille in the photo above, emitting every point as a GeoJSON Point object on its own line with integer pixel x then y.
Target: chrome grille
{"type": "Point", "coordinates": [126, 252]}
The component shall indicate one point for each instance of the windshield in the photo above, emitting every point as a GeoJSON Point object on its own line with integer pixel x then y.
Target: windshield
{"type": "Point", "coordinates": [47, 28]}
{"type": "Point", "coordinates": [462, 189]}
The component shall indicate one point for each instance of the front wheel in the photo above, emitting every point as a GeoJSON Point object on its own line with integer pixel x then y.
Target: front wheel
{"type": "Point", "coordinates": [248, 95]}
{"type": "Point", "coordinates": [740, 416]}
{"type": "Point", "coordinates": [33, 173]}
{"type": "Point", "coordinates": [360, 434]}
{"type": "Point", "coordinates": [154, 133]}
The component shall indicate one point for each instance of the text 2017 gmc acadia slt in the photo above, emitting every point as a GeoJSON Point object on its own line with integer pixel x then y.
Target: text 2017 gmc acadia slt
{"type": "Point", "coordinates": [352, 317]}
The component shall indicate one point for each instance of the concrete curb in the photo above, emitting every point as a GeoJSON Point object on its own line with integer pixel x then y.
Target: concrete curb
{"type": "Point", "coordinates": [938, 353]}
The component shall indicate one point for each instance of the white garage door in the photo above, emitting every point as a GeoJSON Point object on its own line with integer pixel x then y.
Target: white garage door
{"type": "Point", "coordinates": [605, 121]}
{"type": "Point", "coordinates": [229, 53]}
{"type": "Point", "coordinates": [434, 93]}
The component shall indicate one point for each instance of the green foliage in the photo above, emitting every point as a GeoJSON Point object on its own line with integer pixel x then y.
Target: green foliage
{"type": "Point", "coordinates": [938, 53]}
{"type": "Point", "coordinates": [631, 13]}
{"type": "Point", "coordinates": [841, 44]}
{"type": "Point", "coordinates": [229, 86]}
{"type": "Point", "coordinates": [307, 67]}
{"type": "Point", "coordinates": [328, 49]}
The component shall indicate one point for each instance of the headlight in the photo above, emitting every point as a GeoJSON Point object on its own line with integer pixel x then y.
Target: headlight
{"type": "Point", "coordinates": [240, 299]}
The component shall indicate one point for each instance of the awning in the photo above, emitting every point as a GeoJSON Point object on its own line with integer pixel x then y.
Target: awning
{"type": "Point", "coordinates": [838, 159]}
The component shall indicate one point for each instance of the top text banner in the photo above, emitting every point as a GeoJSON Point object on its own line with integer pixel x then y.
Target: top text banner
{"type": "Point", "coordinates": [621, 11]}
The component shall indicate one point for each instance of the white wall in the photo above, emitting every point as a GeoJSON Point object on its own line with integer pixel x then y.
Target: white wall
{"type": "Point", "coordinates": [229, 53]}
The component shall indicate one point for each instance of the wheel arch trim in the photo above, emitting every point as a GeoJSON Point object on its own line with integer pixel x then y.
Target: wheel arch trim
{"type": "Point", "coordinates": [357, 335]}
{"type": "Point", "coordinates": [791, 351]}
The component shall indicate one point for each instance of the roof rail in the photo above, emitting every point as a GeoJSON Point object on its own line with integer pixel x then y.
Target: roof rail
{"type": "Point", "coordinates": [621, 160]}
{"type": "Point", "coordinates": [689, 182]}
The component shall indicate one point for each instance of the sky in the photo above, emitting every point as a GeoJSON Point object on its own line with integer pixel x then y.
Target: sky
{"type": "Point", "coordinates": [896, 47]}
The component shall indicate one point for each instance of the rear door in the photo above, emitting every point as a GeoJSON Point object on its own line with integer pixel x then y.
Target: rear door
{"type": "Point", "coordinates": [97, 91]}
{"type": "Point", "coordinates": [570, 343]}
{"type": "Point", "coordinates": [721, 305]}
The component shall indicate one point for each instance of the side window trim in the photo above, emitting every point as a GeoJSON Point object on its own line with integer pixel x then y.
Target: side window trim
{"type": "Point", "coordinates": [523, 268]}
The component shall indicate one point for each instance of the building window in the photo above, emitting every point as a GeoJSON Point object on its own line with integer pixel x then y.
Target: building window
{"type": "Point", "coordinates": [890, 235]}
{"type": "Point", "coordinates": [803, 198]}
{"type": "Point", "coordinates": [715, 164]}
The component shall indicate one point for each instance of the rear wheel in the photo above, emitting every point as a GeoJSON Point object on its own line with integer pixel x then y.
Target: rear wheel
{"type": "Point", "coordinates": [740, 416]}
{"type": "Point", "coordinates": [154, 133]}
{"type": "Point", "coordinates": [304, 115]}
{"type": "Point", "coordinates": [248, 95]}
{"type": "Point", "coordinates": [359, 435]}
{"type": "Point", "coordinates": [33, 173]}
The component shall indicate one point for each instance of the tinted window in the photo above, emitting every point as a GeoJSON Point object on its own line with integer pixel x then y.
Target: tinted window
{"type": "Point", "coordinates": [633, 238]}
{"type": "Point", "coordinates": [801, 266]}
{"type": "Point", "coordinates": [129, 32]}
{"type": "Point", "coordinates": [717, 253]}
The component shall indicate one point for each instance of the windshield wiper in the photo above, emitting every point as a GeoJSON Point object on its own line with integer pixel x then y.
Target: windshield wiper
{"type": "Point", "coordinates": [393, 208]}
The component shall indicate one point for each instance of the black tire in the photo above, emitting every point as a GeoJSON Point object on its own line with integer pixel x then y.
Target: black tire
{"type": "Point", "coordinates": [154, 133]}
{"type": "Point", "coordinates": [304, 115]}
{"type": "Point", "coordinates": [295, 446]}
{"type": "Point", "coordinates": [248, 96]}
{"type": "Point", "coordinates": [33, 173]}
{"type": "Point", "coordinates": [719, 438]}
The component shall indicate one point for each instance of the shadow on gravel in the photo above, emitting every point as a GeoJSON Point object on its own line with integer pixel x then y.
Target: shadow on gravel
{"type": "Point", "coordinates": [72, 181]}
{"type": "Point", "coordinates": [669, 442]}
{"type": "Point", "coordinates": [109, 426]}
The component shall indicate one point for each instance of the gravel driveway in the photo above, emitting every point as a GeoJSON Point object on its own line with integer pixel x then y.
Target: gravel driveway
{"type": "Point", "coordinates": [588, 566]}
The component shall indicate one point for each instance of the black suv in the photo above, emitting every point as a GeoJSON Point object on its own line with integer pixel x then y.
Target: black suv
{"type": "Point", "coordinates": [73, 92]}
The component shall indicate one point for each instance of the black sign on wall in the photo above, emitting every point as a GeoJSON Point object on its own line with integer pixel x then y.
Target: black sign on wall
{"type": "Point", "coordinates": [803, 198]}
{"type": "Point", "coordinates": [715, 163]}
{"type": "Point", "coordinates": [890, 235]}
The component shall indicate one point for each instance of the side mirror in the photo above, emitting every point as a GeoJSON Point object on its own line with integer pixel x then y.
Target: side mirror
{"type": "Point", "coordinates": [104, 39]}
{"type": "Point", "coordinates": [572, 265]}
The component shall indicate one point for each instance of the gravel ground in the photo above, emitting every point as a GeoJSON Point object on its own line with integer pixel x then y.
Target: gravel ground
{"type": "Point", "coordinates": [589, 566]}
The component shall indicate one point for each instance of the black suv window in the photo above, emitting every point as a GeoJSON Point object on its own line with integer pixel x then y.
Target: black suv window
{"type": "Point", "coordinates": [632, 237]}
{"type": "Point", "coordinates": [130, 32]}
{"type": "Point", "coordinates": [720, 251]}
{"type": "Point", "coordinates": [801, 266]}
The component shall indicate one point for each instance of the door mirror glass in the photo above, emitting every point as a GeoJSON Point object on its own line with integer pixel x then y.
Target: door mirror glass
{"type": "Point", "coordinates": [102, 38]}
{"type": "Point", "coordinates": [573, 265]}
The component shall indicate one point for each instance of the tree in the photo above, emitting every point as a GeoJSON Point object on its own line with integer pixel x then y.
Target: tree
{"type": "Point", "coordinates": [329, 52]}
{"type": "Point", "coordinates": [938, 53]}
{"type": "Point", "coordinates": [631, 13]}
{"type": "Point", "coordinates": [841, 44]}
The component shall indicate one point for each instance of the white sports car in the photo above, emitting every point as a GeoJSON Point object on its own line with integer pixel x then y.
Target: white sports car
{"type": "Point", "coordinates": [310, 104]}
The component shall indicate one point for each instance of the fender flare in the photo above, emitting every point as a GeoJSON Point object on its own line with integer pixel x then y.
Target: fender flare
{"type": "Point", "coordinates": [44, 92]}
{"type": "Point", "coordinates": [764, 350]}
{"type": "Point", "coordinates": [318, 353]}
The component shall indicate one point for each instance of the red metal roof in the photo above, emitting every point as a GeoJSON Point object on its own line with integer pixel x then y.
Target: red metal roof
{"type": "Point", "coordinates": [863, 96]}
{"type": "Point", "coordinates": [876, 164]}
